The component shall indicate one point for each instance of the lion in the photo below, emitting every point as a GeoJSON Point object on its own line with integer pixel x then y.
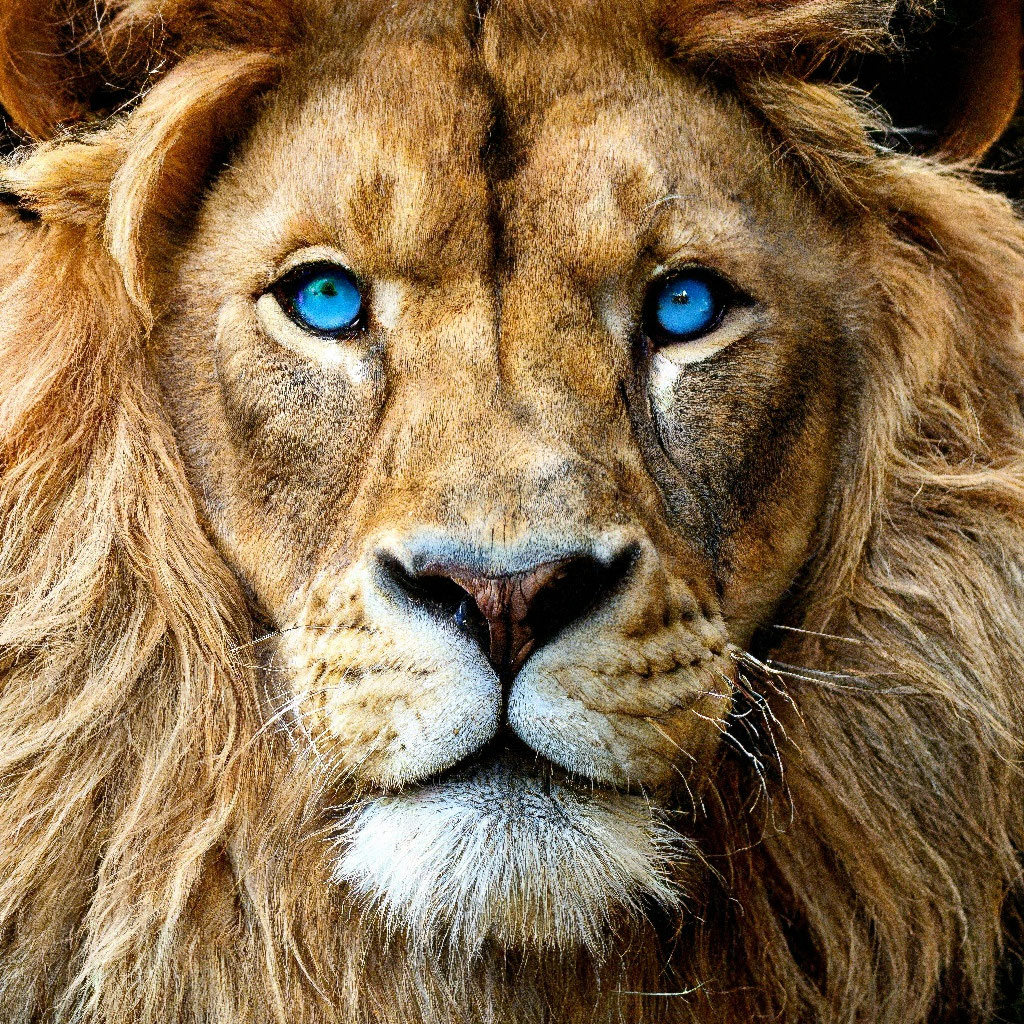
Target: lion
{"type": "Point", "coordinates": [511, 512]}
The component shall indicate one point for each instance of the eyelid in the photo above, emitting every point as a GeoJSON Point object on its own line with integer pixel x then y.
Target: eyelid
{"type": "Point", "coordinates": [279, 326]}
{"type": "Point", "coordinates": [669, 272]}
{"type": "Point", "coordinates": [739, 322]}
{"type": "Point", "coordinates": [306, 256]}
{"type": "Point", "coordinates": [669, 266]}
{"type": "Point", "coordinates": [301, 270]}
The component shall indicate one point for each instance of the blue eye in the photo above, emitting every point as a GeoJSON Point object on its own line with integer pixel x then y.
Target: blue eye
{"type": "Point", "coordinates": [323, 298]}
{"type": "Point", "coordinates": [684, 306]}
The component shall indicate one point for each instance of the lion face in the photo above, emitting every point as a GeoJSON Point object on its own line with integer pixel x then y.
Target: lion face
{"type": "Point", "coordinates": [505, 533]}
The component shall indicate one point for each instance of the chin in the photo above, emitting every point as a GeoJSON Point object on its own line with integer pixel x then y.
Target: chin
{"type": "Point", "coordinates": [512, 853]}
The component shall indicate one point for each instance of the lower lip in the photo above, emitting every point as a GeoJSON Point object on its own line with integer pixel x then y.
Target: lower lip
{"type": "Point", "coordinates": [502, 763]}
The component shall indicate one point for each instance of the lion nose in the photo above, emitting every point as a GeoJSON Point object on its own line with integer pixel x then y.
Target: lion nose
{"type": "Point", "coordinates": [510, 614]}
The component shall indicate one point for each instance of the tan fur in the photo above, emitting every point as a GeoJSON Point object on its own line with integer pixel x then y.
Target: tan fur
{"type": "Point", "coordinates": [782, 774]}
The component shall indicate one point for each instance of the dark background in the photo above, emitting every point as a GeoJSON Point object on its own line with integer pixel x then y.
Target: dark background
{"type": "Point", "coordinates": [915, 86]}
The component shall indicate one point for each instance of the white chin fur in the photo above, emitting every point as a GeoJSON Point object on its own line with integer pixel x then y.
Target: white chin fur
{"type": "Point", "coordinates": [492, 856]}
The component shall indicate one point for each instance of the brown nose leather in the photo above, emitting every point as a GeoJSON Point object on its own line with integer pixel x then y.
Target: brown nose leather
{"type": "Point", "coordinates": [521, 611]}
{"type": "Point", "coordinates": [505, 602]}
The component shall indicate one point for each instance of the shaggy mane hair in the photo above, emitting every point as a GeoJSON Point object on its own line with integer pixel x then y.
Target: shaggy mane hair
{"type": "Point", "coordinates": [163, 860]}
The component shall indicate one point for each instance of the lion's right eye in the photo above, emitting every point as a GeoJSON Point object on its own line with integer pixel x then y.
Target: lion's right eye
{"type": "Point", "coordinates": [323, 298]}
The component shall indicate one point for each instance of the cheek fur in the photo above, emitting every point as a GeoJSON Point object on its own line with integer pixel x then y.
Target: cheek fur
{"type": "Point", "coordinates": [743, 430]}
{"type": "Point", "coordinates": [311, 398]}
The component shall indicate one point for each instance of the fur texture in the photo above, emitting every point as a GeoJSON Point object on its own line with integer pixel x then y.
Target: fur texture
{"type": "Point", "coordinates": [780, 771]}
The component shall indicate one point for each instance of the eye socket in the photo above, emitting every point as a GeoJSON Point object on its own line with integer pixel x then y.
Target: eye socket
{"type": "Point", "coordinates": [323, 298]}
{"type": "Point", "coordinates": [685, 305]}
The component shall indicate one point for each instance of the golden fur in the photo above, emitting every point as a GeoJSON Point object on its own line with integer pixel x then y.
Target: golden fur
{"type": "Point", "coordinates": [844, 843]}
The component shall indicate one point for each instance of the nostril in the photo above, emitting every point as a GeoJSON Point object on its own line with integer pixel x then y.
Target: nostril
{"type": "Point", "coordinates": [582, 584]}
{"type": "Point", "coordinates": [510, 614]}
{"type": "Point", "coordinates": [437, 594]}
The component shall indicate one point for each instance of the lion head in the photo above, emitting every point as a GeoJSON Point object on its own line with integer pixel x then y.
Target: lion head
{"type": "Point", "coordinates": [512, 512]}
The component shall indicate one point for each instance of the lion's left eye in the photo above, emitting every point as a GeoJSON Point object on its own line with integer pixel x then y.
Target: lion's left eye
{"type": "Point", "coordinates": [323, 298]}
{"type": "Point", "coordinates": [685, 305]}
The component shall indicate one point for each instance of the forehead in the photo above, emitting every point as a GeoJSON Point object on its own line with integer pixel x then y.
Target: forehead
{"type": "Point", "coordinates": [654, 167]}
{"type": "Point", "coordinates": [408, 165]}
{"type": "Point", "coordinates": [380, 159]}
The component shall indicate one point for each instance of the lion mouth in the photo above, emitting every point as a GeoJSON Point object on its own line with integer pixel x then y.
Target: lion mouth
{"type": "Point", "coordinates": [507, 752]}
{"type": "Point", "coordinates": [506, 846]}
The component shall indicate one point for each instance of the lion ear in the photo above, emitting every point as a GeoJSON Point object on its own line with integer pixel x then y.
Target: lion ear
{"type": "Point", "coordinates": [63, 62]}
{"type": "Point", "coordinates": [951, 72]}
{"type": "Point", "coordinates": [135, 179]}
{"type": "Point", "coordinates": [986, 69]}
{"type": "Point", "coordinates": [176, 135]}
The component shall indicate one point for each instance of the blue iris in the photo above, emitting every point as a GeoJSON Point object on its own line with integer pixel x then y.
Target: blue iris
{"type": "Point", "coordinates": [683, 306]}
{"type": "Point", "coordinates": [323, 298]}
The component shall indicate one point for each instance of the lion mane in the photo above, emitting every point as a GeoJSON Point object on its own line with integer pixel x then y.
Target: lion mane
{"type": "Point", "coordinates": [863, 828]}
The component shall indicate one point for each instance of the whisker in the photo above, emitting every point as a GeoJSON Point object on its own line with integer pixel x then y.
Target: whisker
{"type": "Point", "coordinates": [828, 680]}
{"type": "Point", "coordinates": [824, 636]}
{"type": "Point", "coordinates": [660, 995]}
{"type": "Point", "coordinates": [745, 658]}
